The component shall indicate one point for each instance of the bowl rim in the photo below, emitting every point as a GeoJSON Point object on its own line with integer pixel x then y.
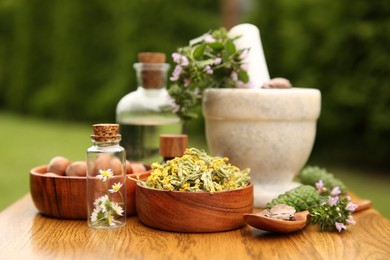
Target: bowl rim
{"type": "Point", "coordinates": [35, 172]}
{"type": "Point", "coordinates": [197, 192]}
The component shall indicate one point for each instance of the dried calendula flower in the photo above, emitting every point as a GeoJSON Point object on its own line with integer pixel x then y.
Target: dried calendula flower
{"type": "Point", "coordinates": [196, 171]}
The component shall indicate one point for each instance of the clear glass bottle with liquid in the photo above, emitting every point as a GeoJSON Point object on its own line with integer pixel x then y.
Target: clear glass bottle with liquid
{"type": "Point", "coordinates": [106, 178]}
{"type": "Point", "coordinates": [147, 113]}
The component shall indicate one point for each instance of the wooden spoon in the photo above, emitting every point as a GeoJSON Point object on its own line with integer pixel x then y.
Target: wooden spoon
{"type": "Point", "coordinates": [285, 226]}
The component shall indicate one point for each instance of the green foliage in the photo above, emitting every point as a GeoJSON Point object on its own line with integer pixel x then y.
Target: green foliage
{"type": "Point", "coordinates": [311, 175]}
{"type": "Point", "coordinates": [341, 48]}
{"type": "Point", "coordinates": [301, 198]}
{"type": "Point", "coordinates": [66, 56]}
{"type": "Point", "coordinates": [209, 61]}
{"type": "Point", "coordinates": [62, 57]}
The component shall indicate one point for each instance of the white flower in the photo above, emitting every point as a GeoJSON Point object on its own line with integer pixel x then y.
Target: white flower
{"type": "Point", "coordinates": [116, 187]}
{"type": "Point", "coordinates": [208, 38]}
{"type": "Point", "coordinates": [117, 209]}
{"type": "Point", "coordinates": [350, 220]}
{"type": "Point", "coordinates": [105, 174]}
{"type": "Point", "coordinates": [94, 214]}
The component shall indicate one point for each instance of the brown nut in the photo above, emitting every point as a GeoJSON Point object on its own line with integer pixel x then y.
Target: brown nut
{"type": "Point", "coordinates": [138, 167]}
{"type": "Point", "coordinates": [58, 165]}
{"type": "Point", "coordinates": [105, 162]}
{"type": "Point", "coordinates": [78, 168]}
{"type": "Point", "coordinates": [129, 170]}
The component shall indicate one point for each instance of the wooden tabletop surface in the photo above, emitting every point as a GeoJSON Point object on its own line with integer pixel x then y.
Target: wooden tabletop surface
{"type": "Point", "coordinates": [25, 234]}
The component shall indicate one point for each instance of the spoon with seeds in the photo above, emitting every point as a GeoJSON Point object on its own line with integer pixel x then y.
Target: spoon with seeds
{"type": "Point", "coordinates": [282, 224]}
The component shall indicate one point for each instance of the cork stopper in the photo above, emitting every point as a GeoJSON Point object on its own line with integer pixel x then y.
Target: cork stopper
{"type": "Point", "coordinates": [105, 132]}
{"type": "Point", "coordinates": [173, 145]}
{"type": "Point", "coordinates": [151, 57]}
{"type": "Point", "coordinates": [152, 69]}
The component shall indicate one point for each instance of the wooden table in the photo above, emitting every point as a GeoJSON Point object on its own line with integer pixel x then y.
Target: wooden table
{"type": "Point", "coordinates": [25, 234]}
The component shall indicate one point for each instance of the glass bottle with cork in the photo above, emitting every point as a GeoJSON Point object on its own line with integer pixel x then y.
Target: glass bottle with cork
{"type": "Point", "coordinates": [106, 178]}
{"type": "Point", "coordinates": [147, 113]}
{"type": "Point", "coordinates": [172, 145]}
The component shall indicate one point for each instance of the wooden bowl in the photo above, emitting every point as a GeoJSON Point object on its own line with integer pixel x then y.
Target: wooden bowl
{"type": "Point", "coordinates": [193, 211]}
{"type": "Point", "coordinates": [65, 196]}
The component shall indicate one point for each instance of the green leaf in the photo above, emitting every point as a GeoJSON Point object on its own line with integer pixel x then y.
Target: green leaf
{"type": "Point", "coordinates": [243, 76]}
{"type": "Point", "coordinates": [216, 46]}
{"type": "Point", "coordinates": [198, 52]}
{"type": "Point", "coordinates": [230, 47]}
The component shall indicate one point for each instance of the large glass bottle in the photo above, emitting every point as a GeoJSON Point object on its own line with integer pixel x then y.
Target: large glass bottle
{"type": "Point", "coordinates": [106, 178]}
{"type": "Point", "coordinates": [147, 113]}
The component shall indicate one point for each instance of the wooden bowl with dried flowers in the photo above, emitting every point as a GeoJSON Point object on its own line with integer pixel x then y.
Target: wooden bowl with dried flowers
{"type": "Point", "coordinates": [194, 193]}
{"type": "Point", "coordinates": [60, 196]}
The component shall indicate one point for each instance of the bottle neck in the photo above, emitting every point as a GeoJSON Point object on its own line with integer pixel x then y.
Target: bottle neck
{"type": "Point", "coordinates": [106, 144]}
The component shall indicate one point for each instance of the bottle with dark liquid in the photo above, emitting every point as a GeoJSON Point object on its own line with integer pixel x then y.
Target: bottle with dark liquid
{"type": "Point", "coordinates": [147, 113]}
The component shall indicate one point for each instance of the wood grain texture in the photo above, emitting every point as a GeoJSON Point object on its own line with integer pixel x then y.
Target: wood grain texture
{"type": "Point", "coordinates": [25, 233]}
{"type": "Point", "coordinates": [64, 197]}
{"type": "Point", "coordinates": [193, 211]}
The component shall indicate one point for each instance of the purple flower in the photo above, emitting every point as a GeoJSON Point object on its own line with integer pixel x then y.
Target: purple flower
{"type": "Point", "coordinates": [176, 73]}
{"type": "Point", "coordinates": [208, 70]}
{"type": "Point", "coordinates": [234, 75]}
{"type": "Point", "coordinates": [187, 82]}
{"type": "Point", "coordinates": [184, 61]}
{"type": "Point", "coordinates": [240, 84]}
{"type": "Point", "coordinates": [244, 66]}
{"type": "Point", "coordinates": [340, 226]}
{"type": "Point", "coordinates": [332, 200]}
{"type": "Point", "coordinates": [208, 38]}
{"type": "Point", "coordinates": [217, 61]}
{"type": "Point", "coordinates": [319, 185]}
{"type": "Point", "coordinates": [176, 57]}
{"type": "Point", "coordinates": [350, 220]}
{"type": "Point", "coordinates": [351, 206]}
{"type": "Point", "coordinates": [244, 54]}
{"type": "Point", "coordinates": [180, 59]}
{"type": "Point", "coordinates": [335, 191]}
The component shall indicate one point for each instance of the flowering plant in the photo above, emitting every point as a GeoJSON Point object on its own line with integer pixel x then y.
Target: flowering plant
{"type": "Point", "coordinates": [209, 61]}
{"type": "Point", "coordinates": [334, 212]}
{"type": "Point", "coordinates": [106, 210]}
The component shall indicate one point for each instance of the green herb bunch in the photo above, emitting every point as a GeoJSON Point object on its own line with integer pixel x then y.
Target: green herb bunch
{"type": "Point", "coordinates": [320, 195]}
{"type": "Point", "coordinates": [333, 214]}
{"type": "Point", "coordinates": [209, 61]}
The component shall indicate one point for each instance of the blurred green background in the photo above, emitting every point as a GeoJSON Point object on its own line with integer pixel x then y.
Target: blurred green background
{"type": "Point", "coordinates": [65, 64]}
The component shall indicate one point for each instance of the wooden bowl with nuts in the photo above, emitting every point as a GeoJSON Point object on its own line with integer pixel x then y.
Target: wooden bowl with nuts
{"type": "Point", "coordinates": [59, 189]}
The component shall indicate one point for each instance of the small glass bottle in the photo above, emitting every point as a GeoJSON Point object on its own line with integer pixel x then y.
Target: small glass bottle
{"type": "Point", "coordinates": [106, 178]}
{"type": "Point", "coordinates": [172, 146]}
{"type": "Point", "coordinates": [146, 113]}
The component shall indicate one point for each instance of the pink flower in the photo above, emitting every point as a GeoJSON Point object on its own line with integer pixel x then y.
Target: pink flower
{"type": "Point", "coordinates": [335, 191]}
{"type": "Point", "coordinates": [244, 54]}
{"type": "Point", "coordinates": [180, 59]}
{"type": "Point", "coordinates": [319, 185]}
{"type": "Point", "coordinates": [208, 38]}
{"type": "Point", "coordinates": [340, 226]}
{"type": "Point", "coordinates": [332, 200]}
{"type": "Point", "coordinates": [217, 61]}
{"type": "Point", "coordinates": [176, 57]}
{"type": "Point", "coordinates": [244, 66]}
{"type": "Point", "coordinates": [351, 206]}
{"type": "Point", "coordinates": [208, 70]}
{"type": "Point", "coordinates": [176, 73]}
{"type": "Point", "coordinates": [234, 75]}
{"type": "Point", "coordinates": [350, 220]}
{"type": "Point", "coordinates": [187, 82]}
